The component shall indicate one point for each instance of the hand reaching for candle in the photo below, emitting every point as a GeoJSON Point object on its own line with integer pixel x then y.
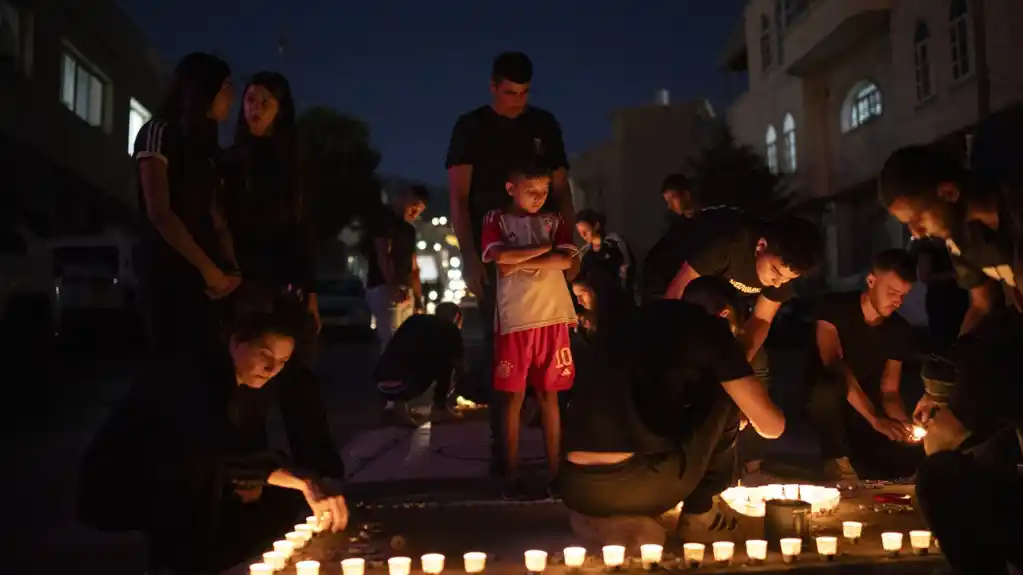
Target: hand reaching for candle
{"type": "Point", "coordinates": [330, 508]}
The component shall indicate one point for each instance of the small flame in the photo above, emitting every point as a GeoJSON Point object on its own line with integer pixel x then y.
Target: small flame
{"type": "Point", "coordinates": [918, 433]}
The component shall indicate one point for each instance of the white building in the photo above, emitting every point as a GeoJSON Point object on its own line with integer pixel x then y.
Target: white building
{"type": "Point", "coordinates": [836, 85]}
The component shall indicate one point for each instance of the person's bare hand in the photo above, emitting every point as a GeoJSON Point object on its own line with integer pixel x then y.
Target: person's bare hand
{"type": "Point", "coordinates": [475, 274]}
{"type": "Point", "coordinates": [894, 430]}
{"type": "Point", "coordinates": [220, 285]}
{"type": "Point", "coordinates": [924, 410]}
{"type": "Point", "coordinates": [327, 504]}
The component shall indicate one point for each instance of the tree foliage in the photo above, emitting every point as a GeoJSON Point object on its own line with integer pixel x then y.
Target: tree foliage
{"type": "Point", "coordinates": [732, 174]}
{"type": "Point", "coordinates": [338, 165]}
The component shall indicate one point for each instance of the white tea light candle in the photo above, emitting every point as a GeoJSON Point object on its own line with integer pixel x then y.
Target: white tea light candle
{"type": "Point", "coordinates": [353, 566]}
{"type": "Point", "coordinates": [313, 522]}
{"type": "Point", "coordinates": [827, 546]}
{"type": "Point", "coordinates": [284, 547]}
{"type": "Point", "coordinates": [693, 553]}
{"type": "Point", "coordinates": [614, 555]}
{"type": "Point", "coordinates": [574, 556]}
{"type": "Point", "coordinates": [920, 540]}
{"type": "Point", "coordinates": [260, 569]}
{"type": "Point", "coordinates": [536, 561]}
{"type": "Point", "coordinates": [297, 539]}
{"type": "Point", "coordinates": [723, 551]}
{"type": "Point", "coordinates": [891, 541]}
{"type": "Point", "coordinates": [433, 563]}
{"type": "Point", "coordinates": [307, 568]}
{"type": "Point", "coordinates": [399, 566]}
{"type": "Point", "coordinates": [475, 561]}
{"type": "Point", "coordinates": [791, 491]}
{"type": "Point", "coordinates": [651, 553]}
{"type": "Point", "coordinates": [790, 548]}
{"type": "Point", "coordinates": [756, 549]}
{"type": "Point", "coordinates": [852, 529]}
{"type": "Point", "coordinates": [275, 559]}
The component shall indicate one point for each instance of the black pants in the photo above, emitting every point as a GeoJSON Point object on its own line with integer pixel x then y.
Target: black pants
{"type": "Point", "coordinates": [488, 303]}
{"type": "Point", "coordinates": [439, 381]}
{"type": "Point", "coordinates": [843, 432]}
{"type": "Point", "coordinates": [946, 304]}
{"type": "Point", "coordinates": [230, 533]}
{"type": "Point", "coordinates": [649, 485]}
{"type": "Point", "coordinates": [974, 509]}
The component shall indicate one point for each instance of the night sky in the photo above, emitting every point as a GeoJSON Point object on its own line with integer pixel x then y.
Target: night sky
{"type": "Point", "coordinates": [409, 68]}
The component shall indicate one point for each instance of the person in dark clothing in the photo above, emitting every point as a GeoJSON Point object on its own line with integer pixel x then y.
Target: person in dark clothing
{"type": "Point", "coordinates": [185, 459]}
{"type": "Point", "coordinates": [666, 256]}
{"type": "Point", "coordinates": [657, 411]}
{"type": "Point", "coordinates": [605, 257]}
{"type": "Point", "coordinates": [972, 477]}
{"type": "Point", "coordinates": [264, 204]}
{"type": "Point", "coordinates": [486, 144]}
{"type": "Point", "coordinates": [861, 345]}
{"type": "Point", "coordinates": [423, 364]}
{"type": "Point", "coordinates": [945, 303]}
{"type": "Point", "coordinates": [393, 290]}
{"type": "Point", "coordinates": [185, 260]}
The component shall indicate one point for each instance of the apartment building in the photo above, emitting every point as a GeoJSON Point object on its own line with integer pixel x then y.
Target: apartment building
{"type": "Point", "coordinates": [622, 176]}
{"type": "Point", "coordinates": [78, 81]}
{"type": "Point", "coordinates": [836, 85]}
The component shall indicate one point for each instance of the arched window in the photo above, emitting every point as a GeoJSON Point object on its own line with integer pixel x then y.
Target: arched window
{"type": "Point", "coordinates": [788, 138]}
{"type": "Point", "coordinates": [862, 104]}
{"type": "Point", "coordinates": [765, 42]}
{"type": "Point", "coordinates": [922, 60]}
{"type": "Point", "coordinates": [771, 139]}
{"type": "Point", "coordinates": [959, 38]}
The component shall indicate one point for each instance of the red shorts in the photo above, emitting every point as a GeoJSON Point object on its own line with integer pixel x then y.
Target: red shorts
{"type": "Point", "coordinates": [540, 356]}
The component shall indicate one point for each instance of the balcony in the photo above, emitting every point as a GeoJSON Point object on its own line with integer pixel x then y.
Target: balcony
{"type": "Point", "coordinates": [831, 28]}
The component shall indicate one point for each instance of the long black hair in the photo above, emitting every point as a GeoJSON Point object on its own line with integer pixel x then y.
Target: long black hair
{"type": "Point", "coordinates": [195, 83]}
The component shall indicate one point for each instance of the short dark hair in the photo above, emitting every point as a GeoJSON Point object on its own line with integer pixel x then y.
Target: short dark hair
{"type": "Point", "coordinates": [797, 241]}
{"type": "Point", "coordinates": [420, 193]}
{"type": "Point", "coordinates": [529, 168]}
{"type": "Point", "coordinates": [260, 312]}
{"type": "Point", "coordinates": [896, 260]}
{"type": "Point", "coordinates": [915, 172]}
{"type": "Point", "coordinates": [596, 219]}
{"type": "Point", "coordinates": [715, 294]}
{"type": "Point", "coordinates": [677, 182]}
{"type": "Point", "coordinates": [448, 311]}
{"type": "Point", "coordinates": [512, 66]}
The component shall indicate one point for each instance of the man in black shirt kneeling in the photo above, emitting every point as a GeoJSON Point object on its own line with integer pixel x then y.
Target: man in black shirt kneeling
{"type": "Point", "coordinates": [425, 353]}
{"type": "Point", "coordinates": [655, 419]}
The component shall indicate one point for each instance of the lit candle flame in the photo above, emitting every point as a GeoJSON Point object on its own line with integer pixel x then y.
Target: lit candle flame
{"type": "Point", "coordinates": [918, 433]}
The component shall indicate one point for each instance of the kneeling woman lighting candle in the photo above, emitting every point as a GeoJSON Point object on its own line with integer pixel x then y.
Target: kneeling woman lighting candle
{"type": "Point", "coordinates": [475, 561]}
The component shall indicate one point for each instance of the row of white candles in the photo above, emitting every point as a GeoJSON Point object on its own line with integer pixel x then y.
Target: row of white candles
{"type": "Point", "coordinates": [613, 555]}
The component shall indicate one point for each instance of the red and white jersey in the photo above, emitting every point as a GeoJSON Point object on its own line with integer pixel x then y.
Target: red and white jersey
{"type": "Point", "coordinates": [529, 298]}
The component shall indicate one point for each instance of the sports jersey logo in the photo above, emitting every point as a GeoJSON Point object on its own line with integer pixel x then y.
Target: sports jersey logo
{"type": "Point", "coordinates": [504, 369]}
{"type": "Point", "coordinates": [743, 287]}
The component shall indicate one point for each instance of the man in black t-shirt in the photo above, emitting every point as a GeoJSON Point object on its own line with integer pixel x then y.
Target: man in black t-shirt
{"type": "Point", "coordinates": [486, 144]}
{"type": "Point", "coordinates": [393, 291]}
{"type": "Point", "coordinates": [861, 344]}
{"type": "Point", "coordinates": [654, 418]}
{"type": "Point", "coordinates": [426, 352]}
{"type": "Point", "coordinates": [666, 256]}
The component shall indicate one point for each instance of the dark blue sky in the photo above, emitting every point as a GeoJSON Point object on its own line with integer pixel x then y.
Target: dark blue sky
{"type": "Point", "coordinates": [409, 68]}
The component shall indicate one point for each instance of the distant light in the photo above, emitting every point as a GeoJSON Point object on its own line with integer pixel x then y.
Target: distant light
{"type": "Point", "coordinates": [455, 262]}
{"type": "Point", "coordinates": [436, 247]}
{"type": "Point", "coordinates": [457, 284]}
{"type": "Point", "coordinates": [431, 307]}
{"type": "Point", "coordinates": [421, 245]}
{"type": "Point", "coordinates": [432, 295]}
{"type": "Point", "coordinates": [449, 295]}
{"type": "Point", "coordinates": [351, 260]}
{"type": "Point", "coordinates": [459, 294]}
{"type": "Point", "coordinates": [443, 220]}
{"type": "Point", "coordinates": [435, 221]}
{"type": "Point", "coordinates": [454, 274]}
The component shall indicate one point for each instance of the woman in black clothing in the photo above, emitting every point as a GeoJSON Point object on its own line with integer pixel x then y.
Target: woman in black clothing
{"type": "Point", "coordinates": [185, 459]}
{"type": "Point", "coordinates": [265, 205]}
{"type": "Point", "coordinates": [185, 259]}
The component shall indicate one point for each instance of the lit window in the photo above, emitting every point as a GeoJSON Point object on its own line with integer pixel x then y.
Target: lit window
{"type": "Point", "coordinates": [922, 61]}
{"type": "Point", "coordinates": [788, 132]}
{"type": "Point", "coordinates": [137, 116]}
{"type": "Point", "coordinates": [959, 38]}
{"type": "Point", "coordinates": [765, 42]}
{"type": "Point", "coordinates": [82, 91]}
{"type": "Point", "coordinates": [772, 149]}
{"type": "Point", "coordinates": [10, 38]}
{"type": "Point", "coordinates": [861, 105]}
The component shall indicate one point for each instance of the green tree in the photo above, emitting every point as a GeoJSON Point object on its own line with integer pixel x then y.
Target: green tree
{"type": "Point", "coordinates": [338, 164]}
{"type": "Point", "coordinates": [728, 173]}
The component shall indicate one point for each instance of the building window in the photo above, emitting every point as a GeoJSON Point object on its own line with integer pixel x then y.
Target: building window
{"type": "Point", "coordinates": [81, 90]}
{"type": "Point", "coordinates": [959, 38]}
{"type": "Point", "coordinates": [10, 36]}
{"type": "Point", "coordinates": [765, 42]}
{"type": "Point", "coordinates": [771, 139]}
{"type": "Point", "coordinates": [861, 105]}
{"type": "Point", "coordinates": [788, 138]}
{"type": "Point", "coordinates": [922, 60]}
{"type": "Point", "coordinates": [137, 116]}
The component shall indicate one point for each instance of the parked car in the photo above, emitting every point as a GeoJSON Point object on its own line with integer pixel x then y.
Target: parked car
{"type": "Point", "coordinates": [343, 306]}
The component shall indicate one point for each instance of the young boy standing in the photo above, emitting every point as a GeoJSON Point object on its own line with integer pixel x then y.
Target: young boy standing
{"type": "Point", "coordinates": [531, 250]}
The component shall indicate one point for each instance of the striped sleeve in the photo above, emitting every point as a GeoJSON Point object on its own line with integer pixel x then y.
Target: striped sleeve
{"type": "Point", "coordinates": [153, 141]}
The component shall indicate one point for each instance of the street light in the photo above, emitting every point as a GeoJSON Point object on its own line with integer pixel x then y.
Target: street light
{"type": "Point", "coordinates": [443, 220]}
{"type": "Point", "coordinates": [421, 245]}
{"type": "Point", "coordinates": [436, 247]}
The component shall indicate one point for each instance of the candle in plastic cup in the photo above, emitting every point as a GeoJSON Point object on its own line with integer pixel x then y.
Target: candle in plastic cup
{"type": "Point", "coordinates": [614, 555]}
{"type": "Point", "coordinates": [307, 568]}
{"type": "Point", "coordinates": [891, 541]}
{"type": "Point", "coordinates": [284, 547]}
{"type": "Point", "coordinates": [260, 569]}
{"type": "Point", "coordinates": [791, 491]}
{"type": "Point", "coordinates": [756, 549]}
{"type": "Point", "coordinates": [693, 553]}
{"type": "Point", "coordinates": [353, 566]}
{"type": "Point", "coordinates": [399, 565]}
{"type": "Point", "coordinates": [475, 561]}
{"type": "Point", "coordinates": [536, 561]}
{"type": "Point", "coordinates": [313, 522]}
{"type": "Point", "coordinates": [852, 529]}
{"type": "Point", "coordinates": [651, 553]}
{"type": "Point", "coordinates": [790, 548]}
{"type": "Point", "coordinates": [433, 563]}
{"type": "Point", "coordinates": [305, 528]}
{"type": "Point", "coordinates": [827, 546]}
{"type": "Point", "coordinates": [275, 559]}
{"type": "Point", "coordinates": [296, 538]}
{"type": "Point", "coordinates": [575, 556]}
{"type": "Point", "coordinates": [723, 551]}
{"type": "Point", "coordinates": [920, 540]}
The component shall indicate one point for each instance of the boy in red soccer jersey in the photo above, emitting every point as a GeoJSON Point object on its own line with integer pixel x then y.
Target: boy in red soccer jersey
{"type": "Point", "coordinates": [531, 250]}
